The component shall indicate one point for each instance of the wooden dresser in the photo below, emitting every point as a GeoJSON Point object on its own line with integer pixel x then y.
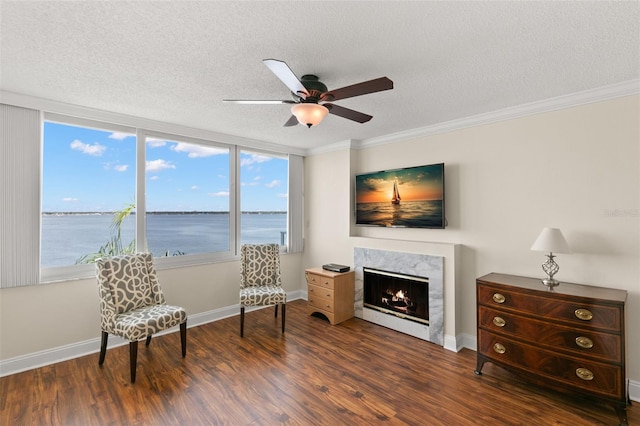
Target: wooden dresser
{"type": "Point", "coordinates": [331, 294]}
{"type": "Point", "coordinates": [571, 339]}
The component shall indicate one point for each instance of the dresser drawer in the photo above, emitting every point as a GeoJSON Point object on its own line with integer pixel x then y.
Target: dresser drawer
{"type": "Point", "coordinates": [320, 280]}
{"type": "Point", "coordinates": [583, 343]}
{"type": "Point", "coordinates": [585, 315]}
{"type": "Point", "coordinates": [573, 373]}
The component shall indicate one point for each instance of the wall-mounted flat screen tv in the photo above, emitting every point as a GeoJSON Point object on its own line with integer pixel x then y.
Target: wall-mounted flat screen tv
{"type": "Point", "coordinates": [412, 197]}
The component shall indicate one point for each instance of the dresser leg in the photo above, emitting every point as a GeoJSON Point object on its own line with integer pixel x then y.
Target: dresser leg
{"type": "Point", "coordinates": [478, 370]}
{"type": "Point", "coordinates": [622, 415]}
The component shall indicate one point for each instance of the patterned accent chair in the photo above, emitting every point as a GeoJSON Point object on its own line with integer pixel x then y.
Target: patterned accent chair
{"type": "Point", "coordinates": [132, 305]}
{"type": "Point", "coordinates": [260, 282]}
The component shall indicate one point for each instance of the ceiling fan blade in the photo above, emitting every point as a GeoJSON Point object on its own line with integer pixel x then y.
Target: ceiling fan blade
{"type": "Point", "coordinates": [284, 73]}
{"type": "Point", "coordinates": [348, 113]}
{"type": "Point", "coordinates": [292, 121]}
{"type": "Point", "coordinates": [258, 102]}
{"type": "Point", "coordinates": [366, 87]}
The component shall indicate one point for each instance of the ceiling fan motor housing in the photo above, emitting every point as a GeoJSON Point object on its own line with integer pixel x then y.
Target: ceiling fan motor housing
{"type": "Point", "coordinates": [314, 86]}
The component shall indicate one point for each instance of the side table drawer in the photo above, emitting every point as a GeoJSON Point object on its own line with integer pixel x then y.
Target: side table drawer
{"type": "Point", "coordinates": [319, 280]}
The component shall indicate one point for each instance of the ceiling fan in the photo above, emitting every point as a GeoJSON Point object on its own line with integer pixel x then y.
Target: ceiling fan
{"type": "Point", "coordinates": [311, 99]}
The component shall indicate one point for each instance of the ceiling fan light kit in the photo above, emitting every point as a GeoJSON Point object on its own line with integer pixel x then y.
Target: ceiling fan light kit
{"type": "Point", "coordinates": [309, 91]}
{"type": "Point", "coordinates": [309, 114]}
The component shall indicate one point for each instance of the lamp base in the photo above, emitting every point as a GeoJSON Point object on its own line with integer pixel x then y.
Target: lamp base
{"type": "Point", "coordinates": [550, 283]}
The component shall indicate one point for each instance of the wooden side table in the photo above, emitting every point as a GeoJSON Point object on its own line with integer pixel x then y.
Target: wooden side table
{"type": "Point", "coordinates": [331, 294]}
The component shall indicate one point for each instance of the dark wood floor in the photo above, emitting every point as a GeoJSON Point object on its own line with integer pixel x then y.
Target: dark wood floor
{"type": "Point", "coordinates": [355, 373]}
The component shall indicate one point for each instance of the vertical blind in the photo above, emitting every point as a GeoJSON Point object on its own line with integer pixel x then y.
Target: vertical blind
{"type": "Point", "coordinates": [20, 139]}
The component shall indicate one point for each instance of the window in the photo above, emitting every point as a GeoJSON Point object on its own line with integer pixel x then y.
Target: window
{"type": "Point", "coordinates": [87, 175]}
{"type": "Point", "coordinates": [263, 198]}
{"type": "Point", "coordinates": [187, 202]}
{"type": "Point", "coordinates": [109, 189]}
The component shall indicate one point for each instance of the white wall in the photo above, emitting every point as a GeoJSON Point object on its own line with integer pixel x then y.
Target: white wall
{"type": "Point", "coordinates": [577, 169]}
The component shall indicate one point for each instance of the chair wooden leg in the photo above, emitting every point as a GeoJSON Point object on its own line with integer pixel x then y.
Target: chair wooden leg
{"type": "Point", "coordinates": [103, 347]}
{"type": "Point", "coordinates": [276, 315]}
{"type": "Point", "coordinates": [183, 338]}
{"type": "Point", "coordinates": [133, 359]}
{"type": "Point", "coordinates": [284, 306]}
{"type": "Point", "coordinates": [148, 340]}
{"type": "Point", "coordinates": [241, 321]}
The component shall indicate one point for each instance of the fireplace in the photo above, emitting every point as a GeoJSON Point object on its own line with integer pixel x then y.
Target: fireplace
{"type": "Point", "coordinates": [405, 296]}
{"type": "Point", "coordinates": [423, 315]}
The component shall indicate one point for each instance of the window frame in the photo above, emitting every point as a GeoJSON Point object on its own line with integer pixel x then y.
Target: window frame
{"type": "Point", "coordinates": [82, 271]}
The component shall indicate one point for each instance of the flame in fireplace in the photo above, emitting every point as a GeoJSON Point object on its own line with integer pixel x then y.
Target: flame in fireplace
{"type": "Point", "coordinates": [400, 295]}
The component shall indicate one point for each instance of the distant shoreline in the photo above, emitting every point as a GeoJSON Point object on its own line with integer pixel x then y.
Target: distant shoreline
{"type": "Point", "coordinates": [150, 213]}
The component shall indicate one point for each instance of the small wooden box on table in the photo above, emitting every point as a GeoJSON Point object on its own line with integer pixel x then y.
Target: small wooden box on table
{"type": "Point", "coordinates": [331, 294]}
{"type": "Point", "coordinates": [571, 339]}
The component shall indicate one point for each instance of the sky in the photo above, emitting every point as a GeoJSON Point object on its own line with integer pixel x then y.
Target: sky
{"type": "Point", "coordinates": [414, 184]}
{"type": "Point", "coordinates": [89, 170]}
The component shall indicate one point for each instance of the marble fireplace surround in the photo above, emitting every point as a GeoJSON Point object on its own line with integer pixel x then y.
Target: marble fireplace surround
{"type": "Point", "coordinates": [422, 265]}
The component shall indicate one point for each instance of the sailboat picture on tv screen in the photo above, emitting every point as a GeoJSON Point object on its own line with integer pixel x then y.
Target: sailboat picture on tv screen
{"type": "Point", "coordinates": [412, 197]}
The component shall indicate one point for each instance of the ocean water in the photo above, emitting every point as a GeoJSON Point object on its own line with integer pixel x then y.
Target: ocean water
{"type": "Point", "coordinates": [422, 214]}
{"type": "Point", "coordinates": [67, 237]}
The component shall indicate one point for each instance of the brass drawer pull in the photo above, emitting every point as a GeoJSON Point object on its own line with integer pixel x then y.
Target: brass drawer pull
{"type": "Point", "coordinates": [583, 314]}
{"type": "Point", "coordinates": [500, 322]}
{"type": "Point", "coordinates": [499, 348]}
{"type": "Point", "coordinates": [584, 374]}
{"type": "Point", "coordinates": [498, 298]}
{"type": "Point", "coordinates": [584, 342]}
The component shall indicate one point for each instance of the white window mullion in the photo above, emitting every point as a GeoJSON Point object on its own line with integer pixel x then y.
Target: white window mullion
{"type": "Point", "coordinates": [141, 208]}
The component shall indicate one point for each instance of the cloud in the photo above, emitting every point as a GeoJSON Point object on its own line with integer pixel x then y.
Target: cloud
{"type": "Point", "coordinates": [273, 184]}
{"type": "Point", "coordinates": [155, 142]}
{"type": "Point", "coordinates": [253, 159]}
{"type": "Point", "coordinates": [281, 195]}
{"type": "Point", "coordinates": [120, 135]}
{"type": "Point", "coordinates": [194, 187]}
{"type": "Point", "coordinates": [69, 199]}
{"type": "Point", "coordinates": [154, 177]}
{"type": "Point", "coordinates": [95, 150]}
{"type": "Point", "coordinates": [219, 194]}
{"type": "Point", "coordinates": [121, 168]}
{"type": "Point", "coordinates": [158, 165]}
{"type": "Point", "coordinates": [198, 151]}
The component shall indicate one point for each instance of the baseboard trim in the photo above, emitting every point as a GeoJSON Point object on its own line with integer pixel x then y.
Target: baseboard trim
{"type": "Point", "coordinates": [75, 350]}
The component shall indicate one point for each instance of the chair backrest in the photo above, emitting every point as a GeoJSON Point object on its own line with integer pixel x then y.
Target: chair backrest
{"type": "Point", "coordinates": [260, 265]}
{"type": "Point", "coordinates": [128, 282]}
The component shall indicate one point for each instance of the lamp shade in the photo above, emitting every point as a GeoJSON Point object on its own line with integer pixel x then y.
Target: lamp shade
{"type": "Point", "coordinates": [309, 114]}
{"type": "Point", "coordinates": [551, 240]}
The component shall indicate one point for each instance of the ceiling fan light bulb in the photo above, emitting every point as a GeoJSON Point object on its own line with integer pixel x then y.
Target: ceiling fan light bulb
{"type": "Point", "coordinates": [309, 114]}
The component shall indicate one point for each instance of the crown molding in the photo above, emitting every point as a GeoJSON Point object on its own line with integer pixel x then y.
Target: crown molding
{"type": "Point", "coordinates": [626, 88]}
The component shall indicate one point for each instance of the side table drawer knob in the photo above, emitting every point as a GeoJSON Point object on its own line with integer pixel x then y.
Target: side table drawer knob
{"type": "Point", "coordinates": [499, 348]}
{"type": "Point", "coordinates": [583, 314]}
{"type": "Point", "coordinates": [584, 342]}
{"type": "Point", "coordinates": [498, 298]}
{"type": "Point", "coordinates": [584, 374]}
{"type": "Point", "coordinates": [499, 321]}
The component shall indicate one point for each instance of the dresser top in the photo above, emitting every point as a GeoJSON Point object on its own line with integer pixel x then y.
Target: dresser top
{"type": "Point", "coordinates": [569, 289]}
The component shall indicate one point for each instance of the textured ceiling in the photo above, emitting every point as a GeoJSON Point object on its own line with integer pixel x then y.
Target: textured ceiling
{"type": "Point", "coordinates": [175, 61]}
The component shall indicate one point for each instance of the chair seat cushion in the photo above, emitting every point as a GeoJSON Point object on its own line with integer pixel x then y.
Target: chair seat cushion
{"type": "Point", "coordinates": [262, 295]}
{"type": "Point", "coordinates": [142, 322]}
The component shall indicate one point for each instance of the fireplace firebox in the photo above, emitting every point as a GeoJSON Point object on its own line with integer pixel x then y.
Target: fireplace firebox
{"type": "Point", "coordinates": [405, 296]}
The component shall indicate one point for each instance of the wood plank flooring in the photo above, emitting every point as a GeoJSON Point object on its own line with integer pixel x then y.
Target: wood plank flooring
{"type": "Point", "coordinates": [355, 373]}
